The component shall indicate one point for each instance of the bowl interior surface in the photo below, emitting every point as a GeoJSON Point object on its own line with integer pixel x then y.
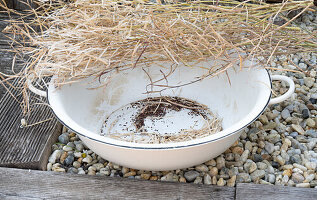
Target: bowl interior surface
{"type": "Point", "coordinates": [238, 97]}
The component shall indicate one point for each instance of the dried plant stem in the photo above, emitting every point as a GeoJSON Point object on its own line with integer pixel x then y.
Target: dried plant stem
{"type": "Point", "coordinates": [80, 39]}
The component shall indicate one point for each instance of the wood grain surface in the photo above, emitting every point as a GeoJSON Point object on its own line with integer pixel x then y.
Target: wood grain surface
{"type": "Point", "coordinates": [27, 147]}
{"type": "Point", "coordinates": [53, 185]}
{"type": "Point", "coordinates": [22, 147]}
{"type": "Point", "coordinates": [248, 191]}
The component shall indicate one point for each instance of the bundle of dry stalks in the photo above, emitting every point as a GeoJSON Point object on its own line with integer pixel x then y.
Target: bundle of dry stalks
{"type": "Point", "coordinates": [92, 37]}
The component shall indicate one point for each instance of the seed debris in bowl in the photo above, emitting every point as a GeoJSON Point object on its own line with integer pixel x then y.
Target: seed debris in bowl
{"type": "Point", "coordinates": [163, 119]}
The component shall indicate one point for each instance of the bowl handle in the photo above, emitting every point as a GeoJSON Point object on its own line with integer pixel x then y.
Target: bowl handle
{"type": "Point", "coordinates": [34, 89]}
{"type": "Point", "coordinates": [290, 91]}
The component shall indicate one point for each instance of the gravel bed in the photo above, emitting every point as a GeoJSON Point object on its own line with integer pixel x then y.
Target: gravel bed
{"type": "Point", "coordinates": [279, 148]}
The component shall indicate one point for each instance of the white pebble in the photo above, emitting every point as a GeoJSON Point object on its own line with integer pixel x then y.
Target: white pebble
{"type": "Point", "coordinates": [285, 179]}
{"type": "Point", "coordinates": [67, 148]}
{"type": "Point", "coordinates": [301, 167]}
{"type": "Point", "coordinates": [88, 159]}
{"type": "Point", "coordinates": [303, 185]}
{"type": "Point", "coordinates": [55, 156]}
{"type": "Point", "coordinates": [49, 166]}
{"type": "Point", "coordinates": [297, 170]}
{"type": "Point", "coordinates": [311, 165]}
{"type": "Point", "coordinates": [76, 164]}
{"type": "Point", "coordinates": [77, 154]}
{"type": "Point", "coordinates": [81, 171]}
{"type": "Point", "coordinates": [309, 178]}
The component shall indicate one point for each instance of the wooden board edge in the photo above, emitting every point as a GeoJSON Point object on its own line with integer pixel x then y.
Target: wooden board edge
{"type": "Point", "coordinates": [48, 146]}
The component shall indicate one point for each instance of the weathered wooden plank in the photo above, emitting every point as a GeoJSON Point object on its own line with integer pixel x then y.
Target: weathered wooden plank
{"type": "Point", "coordinates": [6, 52]}
{"type": "Point", "coordinates": [7, 59]}
{"type": "Point", "coordinates": [14, 197]}
{"type": "Point", "coordinates": [50, 185]}
{"type": "Point", "coordinates": [24, 4]}
{"type": "Point", "coordinates": [22, 147]}
{"type": "Point", "coordinates": [245, 191]}
{"type": "Point", "coordinates": [7, 3]}
{"type": "Point", "coordinates": [27, 147]}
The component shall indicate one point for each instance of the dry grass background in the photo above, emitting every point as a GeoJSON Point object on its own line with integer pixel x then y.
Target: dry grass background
{"type": "Point", "coordinates": [84, 38]}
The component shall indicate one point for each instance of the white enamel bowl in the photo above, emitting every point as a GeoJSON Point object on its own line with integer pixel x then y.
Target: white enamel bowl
{"type": "Point", "coordinates": [238, 102]}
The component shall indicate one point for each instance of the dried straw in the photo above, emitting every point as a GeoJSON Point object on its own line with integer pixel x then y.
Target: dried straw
{"type": "Point", "coordinates": [90, 38]}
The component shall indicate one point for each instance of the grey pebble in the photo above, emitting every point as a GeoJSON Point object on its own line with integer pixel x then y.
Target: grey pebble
{"type": "Point", "coordinates": [253, 137]}
{"type": "Point", "coordinates": [311, 165]}
{"type": "Point", "coordinates": [221, 162]}
{"type": "Point", "coordinates": [248, 145]}
{"type": "Point", "coordinates": [257, 174]}
{"type": "Point", "coordinates": [297, 145]}
{"type": "Point", "coordinates": [285, 156]}
{"type": "Point", "coordinates": [294, 134]}
{"type": "Point", "coordinates": [303, 66]}
{"type": "Point", "coordinates": [72, 170]}
{"type": "Point", "coordinates": [202, 168]}
{"type": "Point", "coordinates": [285, 114]}
{"type": "Point", "coordinates": [261, 165]}
{"type": "Point", "coordinates": [190, 176]}
{"type": "Point", "coordinates": [271, 178]}
{"type": "Point", "coordinates": [98, 166]}
{"type": "Point", "coordinates": [63, 138]}
{"type": "Point", "coordinates": [76, 164]}
{"type": "Point", "coordinates": [198, 180]}
{"type": "Point", "coordinates": [301, 167]}
{"type": "Point", "coordinates": [245, 155]}
{"type": "Point", "coordinates": [270, 169]}
{"type": "Point", "coordinates": [250, 167]}
{"type": "Point", "coordinates": [229, 157]}
{"type": "Point", "coordinates": [269, 147]}
{"type": "Point", "coordinates": [274, 137]}
{"type": "Point", "coordinates": [243, 178]}
{"type": "Point", "coordinates": [313, 183]}
{"type": "Point", "coordinates": [311, 133]}
{"type": "Point", "coordinates": [79, 147]}
{"type": "Point", "coordinates": [309, 178]}
{"type": "Point", "coordinates": [311, 145]}
{"type": "Point", "coordinates": [305, 113]}
{"type": "Point", "coordinates": [279, 160]}
{"type": "Point", "coordinates": [69, 160]}
{"type": "Point", "coordinates": [71, 144]}
{"type": "Point", "coordinates": [167, 177]}
{"type": "Point", "coordinates": [297, 178]}
{"type": "Point", "coordinates": [257, 158]}
{"type": "Point", "coordinates": [309, 82]}
{"type": "Point", "coordinates": [207, 179]}
{"type": "Point", "coordinates": [104, 171]}
{"type": "Point", "coordinates": [233, 171]}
